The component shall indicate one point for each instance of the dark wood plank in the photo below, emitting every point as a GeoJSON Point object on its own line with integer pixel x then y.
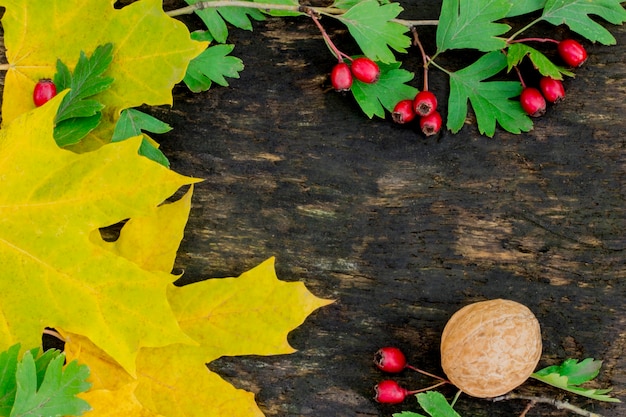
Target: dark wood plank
{"type": "Point", "coordinates": [401, 230]}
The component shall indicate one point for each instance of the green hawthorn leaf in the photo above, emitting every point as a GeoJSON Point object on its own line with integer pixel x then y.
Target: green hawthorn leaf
{"type": "Point", "coordinates": [56, 395]}
{"type": "Point", "coordinates": [576, 372]}
{"type": "Point", "coordinates": [490, 99]}
{"type": "Point", "coordinates": [390, 88]}
{"type": "Point", "coordinates": [470, 24]}
{"type": "Point", "coordinates": [131, 123]}
{"type": "Point", "coordinates": [575, 14]}
{"type": "Point", "coordinates": [435, 404]}
{"type": "Point", "coordinates": [66, 133]}
{"type": "Point", "coordinates": [521, 7]}
{"type": "Point", "coordinates": [571, 373]}
{"type": "Point", "coordinates": [8, 383]}
{"type": "Point", "coordinates": [371, 26]}
{"type": "Point", "coordinates": [212, 65]}
{"type": "Point", "coordinates": [86, 81]}
{"type": "Point", "coordinates": [215, 19]}
{"type": "Point", "coordinates": [517, 51]}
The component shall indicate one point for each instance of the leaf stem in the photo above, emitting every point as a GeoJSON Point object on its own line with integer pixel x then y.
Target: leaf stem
{"type": "Point", "coordinates": [528, 26]}
{"type": "Point", "coordinates": [425, 58]}
{"type": "Point", "coordinates": [338, 54]}
{"type": "Point", "coordinates": [5, 67]}
{"type": "Point", "coordinates": [561, 405]}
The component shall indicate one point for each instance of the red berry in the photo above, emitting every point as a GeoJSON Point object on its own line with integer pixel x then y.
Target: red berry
{"type": "Point", "coordinates": [390, 359]}
{"type": "Point", "coordinates": [425, 103]}
{"type": "Point", "coordinates": [403, 112]}
{"type": "Point", "coordinates": [341, 77]}
{"type": "Point", "coordinates": [532, 102]}
{"type": "Point", "coordinates": [431, 124]}
{"type": "Point", "coordinates": [572, 52]}
{"type": "Point", "coordinates": [365, 70]}
{"type": "Point", "coordinates": [389, 392]}
{"type": "Point", "coordinates": [44, 91]}
{"type": "Point", "coordinates": [552, 89]}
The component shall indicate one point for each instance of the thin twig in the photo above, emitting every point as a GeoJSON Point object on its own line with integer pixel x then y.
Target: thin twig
{"type": "Point", "coordinates": [329, 11]}
{"type": "Point", "coordinates": [425, 58]}
{"type": "Point", "coordinates": [561, 405]}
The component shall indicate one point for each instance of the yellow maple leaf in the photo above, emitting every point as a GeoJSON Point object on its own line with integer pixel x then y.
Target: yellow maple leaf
{"type": "Point", "coordinates": [251, 314]}
{"type": "Point", "coordinates": [151, 51]}
{"type": "Point", "coordinates": [53, 275]}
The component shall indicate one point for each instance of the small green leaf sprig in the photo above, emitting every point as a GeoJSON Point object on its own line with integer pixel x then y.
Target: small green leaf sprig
{"type": "Point", "coordinates": [568, 376]}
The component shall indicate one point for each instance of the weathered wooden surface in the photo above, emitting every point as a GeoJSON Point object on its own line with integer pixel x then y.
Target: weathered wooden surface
{"type": "Point", "coordinates": [401, 230]}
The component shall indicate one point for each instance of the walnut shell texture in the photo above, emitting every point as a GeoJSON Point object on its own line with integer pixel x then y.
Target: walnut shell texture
{"type": "Point", "coordinates": [490, 347]}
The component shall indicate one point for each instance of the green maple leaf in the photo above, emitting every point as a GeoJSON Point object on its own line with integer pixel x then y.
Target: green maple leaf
{"type": "Point", "coordinates": [571, 373]}
{"type": "Point", "coordinates": [386, 92]}
{"type": "Point", "coordinates": [370, 25]}
{"type": "Point", "coordinates": [517, 51]}
{"type": "Point", "coordinates": [491, 100]}
{"type": "Point", "coordinates": [575, 14]}
{"type": "Point", "coordinates": [211, 66]}
{"type": "Point", "coordinates": [470, 24]}
{"type": "Point", "coordinates": [55, 394]}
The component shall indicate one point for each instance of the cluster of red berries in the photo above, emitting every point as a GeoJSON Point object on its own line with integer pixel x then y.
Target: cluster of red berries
{"type": "Point", "coordinates": [423, 105]}
{"type": "Point", "coordinates": [533, 100]}
{"type": "Point", "coordinates": [44, 91]}
{"type": "Point", "coordinates": [391, 360]}
{"type": "Point", "coordinates": [363, 69]}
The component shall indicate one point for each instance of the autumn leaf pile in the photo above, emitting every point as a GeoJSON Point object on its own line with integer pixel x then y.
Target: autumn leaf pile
{"type": "Point", "coordinates": [145, 341]}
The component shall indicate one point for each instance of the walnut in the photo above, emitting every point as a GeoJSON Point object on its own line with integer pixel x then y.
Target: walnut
{"type": "Point", "coordinates": [490, 347]}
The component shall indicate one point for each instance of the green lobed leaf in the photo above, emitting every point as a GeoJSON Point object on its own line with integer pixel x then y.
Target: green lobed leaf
{"type": "Point", "coordinates": [470, 24]}
{"type": "Point", "coordinates": [575, 14]}
{"type": "Point", "coordinates": [435, 404]}
{"type": "Point", "coordinates": [521, 7]}
{"type": "Point", "coordinates": [386, 92]}
{"type": "Point", "coordinates": [77, 115]}
{"type": "Point", "coordinates": [371, 26]}
{"type": "Point", "coordinates": [517, 51]}
{"type": "Point", "coordinates": [56, 395]}
{"type": "Point", "coordinates": [8, 383]}
{"type": "Point", "coordinates": [131, 123]}
{"type": "Point", "coordinates": [215, 19]}
{"type": "Point", "coordinates": [576, 372]}
{"type": "Point", "coordinates": [491, 100]}
{"type": "Point", "coordinates": [571, 373]}
{"type": "Point", "coordinates": [212, 65]}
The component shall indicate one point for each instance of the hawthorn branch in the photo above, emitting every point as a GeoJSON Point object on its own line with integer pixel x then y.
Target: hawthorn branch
{"type": "Point", "coordinates": [561, 405]}
{"type": "Point", "coordinates": [329, 11]}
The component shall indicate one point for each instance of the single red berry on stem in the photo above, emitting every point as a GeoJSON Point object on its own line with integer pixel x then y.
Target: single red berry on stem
{"type": "Point", "coordinates": [365, 70]}
{"type": "Point", "coordinates": [403, 112]}
{"type": "Point", "coordinates": [389, 392]}
{"type": "Point", "coordinates": [532, 102]}
{"type": "Point", "coordinates": [552, 89]}
{"type": "Point", "coordinates": [431, 124]}
{"type": "Point", "coordinates": [390, 359]}
{"type": "Point", "coordinates": [425, 103]}
{"type": "Point", "coordinates": [341, 77]}
{"type": "Point", "coordinates": [44, 91]}
{"type": "Point", "coordinates": [572, 52]}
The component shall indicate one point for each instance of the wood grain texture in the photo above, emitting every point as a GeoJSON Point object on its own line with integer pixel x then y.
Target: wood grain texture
{"type": "Point", "coordinates": [401, 230]}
